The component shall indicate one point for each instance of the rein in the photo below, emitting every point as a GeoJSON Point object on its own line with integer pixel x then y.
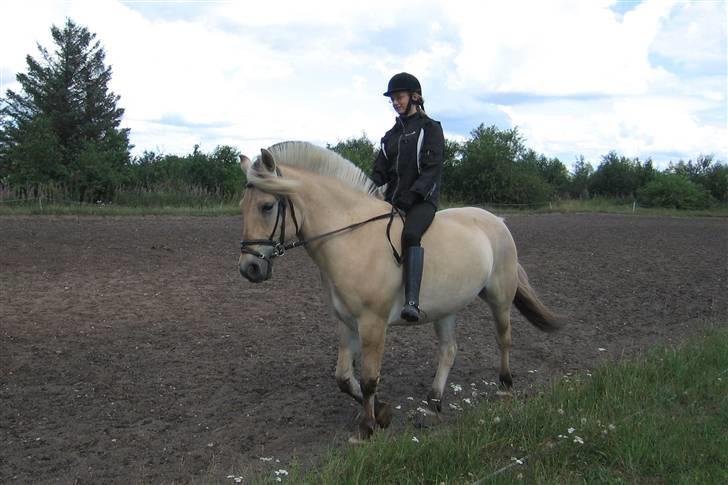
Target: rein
{"type": "Point", "coordinates": [281, 246]}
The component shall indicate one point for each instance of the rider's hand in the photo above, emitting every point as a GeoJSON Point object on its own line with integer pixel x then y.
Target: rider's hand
{"type": "Point", "coordinates": [407, 200]}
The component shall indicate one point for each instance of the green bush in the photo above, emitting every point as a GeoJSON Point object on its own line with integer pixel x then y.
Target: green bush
{"type": "Point", "coordinates": [674, 191]}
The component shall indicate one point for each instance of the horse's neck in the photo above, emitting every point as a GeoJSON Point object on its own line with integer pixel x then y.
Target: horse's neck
{"type": "Point", "coordinates": [329, 205]}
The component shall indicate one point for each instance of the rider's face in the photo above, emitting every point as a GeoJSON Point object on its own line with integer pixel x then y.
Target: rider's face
{"type": "Point", "coordinates": [399, 102]}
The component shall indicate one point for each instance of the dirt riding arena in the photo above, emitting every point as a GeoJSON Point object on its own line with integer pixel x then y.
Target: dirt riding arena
{"type": "Point", "coordinates": [131, 350]}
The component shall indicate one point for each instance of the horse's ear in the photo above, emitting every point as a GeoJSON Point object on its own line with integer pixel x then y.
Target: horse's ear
{"type": "Point", "coordinates": [245, 163]}
{"type": "Point", "coordinates": [267, 158]}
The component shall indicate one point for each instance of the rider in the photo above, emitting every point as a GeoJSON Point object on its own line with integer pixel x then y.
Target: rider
{"type": "Point", "coordinates": [410, 162]}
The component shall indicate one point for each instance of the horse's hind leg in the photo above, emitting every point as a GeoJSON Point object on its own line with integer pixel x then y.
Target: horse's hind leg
{"type": "Point", "coordinates": [447, 348]}
{"type": "Point", "coordinates": [501, 308]}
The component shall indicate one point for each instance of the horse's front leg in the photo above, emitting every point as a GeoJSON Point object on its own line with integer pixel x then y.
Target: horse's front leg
{"type": "Point", "coordinates": [348, 351]}
{"type": "Point", "coordinates": [372, 330]}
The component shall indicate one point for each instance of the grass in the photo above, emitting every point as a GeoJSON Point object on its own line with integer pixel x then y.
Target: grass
{"type": "Point", "coordinates": [659, 419]}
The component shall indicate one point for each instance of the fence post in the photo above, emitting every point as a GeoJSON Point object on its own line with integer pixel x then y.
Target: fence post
{"type": "Point", "coordinates": [634, 206]}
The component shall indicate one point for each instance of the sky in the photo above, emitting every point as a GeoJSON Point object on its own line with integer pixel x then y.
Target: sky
{"type": "Point", "coordinates": [646, 79]}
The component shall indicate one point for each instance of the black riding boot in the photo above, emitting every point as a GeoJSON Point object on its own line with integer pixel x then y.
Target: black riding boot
{"type": "Point", "coordinates": [413, 260]}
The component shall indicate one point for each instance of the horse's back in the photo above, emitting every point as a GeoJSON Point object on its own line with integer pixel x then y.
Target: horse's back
{"type": "Point", "coordinates": [463, 223]}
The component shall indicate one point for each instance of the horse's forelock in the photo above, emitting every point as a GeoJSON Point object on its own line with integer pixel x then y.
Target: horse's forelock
{"type": "Point", "coordinates": [269, 182]}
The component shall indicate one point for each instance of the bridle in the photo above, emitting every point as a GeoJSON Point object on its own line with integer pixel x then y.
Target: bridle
{"type": "Point", "coordinates": [280, 246]}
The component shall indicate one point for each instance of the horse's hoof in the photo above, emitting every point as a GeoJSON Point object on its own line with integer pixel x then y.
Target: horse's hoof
{"type": "Point", "coordinates": [434, 403]}
{"type": "Point", "coordinates": [383, 412]}
{"type": "Point", "coordinates": [356, 440]}
{"type": "Point", "coordinates": [425, 418]}
{"type": "Point", "coordinates": [366, 428]}
{"type": "Point", "coordinates": [504, 393]}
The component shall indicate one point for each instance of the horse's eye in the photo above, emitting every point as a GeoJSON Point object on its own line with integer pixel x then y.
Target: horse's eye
{"type": "Point", "coordinates": [267, 207]}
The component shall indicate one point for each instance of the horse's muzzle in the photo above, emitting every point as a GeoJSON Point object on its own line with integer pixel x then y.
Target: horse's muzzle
{"type": "Point", "coordinates": [256, 270]}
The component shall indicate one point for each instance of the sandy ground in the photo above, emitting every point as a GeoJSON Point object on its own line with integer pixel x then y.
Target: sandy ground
{"type": "Point", "coordinates": [132, 351]}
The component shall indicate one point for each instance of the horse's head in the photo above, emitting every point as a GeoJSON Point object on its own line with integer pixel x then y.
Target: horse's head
{"type": "Point", "coordinates": [267, 217]}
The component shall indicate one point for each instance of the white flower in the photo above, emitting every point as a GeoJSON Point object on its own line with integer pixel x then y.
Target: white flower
{"type": "Point", "coordinates": [414, 438]}
{"type": "Point", "coordinates": [602, 349]}
{"type": "Point", "coordinates": [266, 458]}
{"type": "Point", "coordinates": [410, 398]}
{"type": "Point", "coordinates": [612, 427]}
{"type": "Point", "coordinates": [281, 473]}
{"type": "Point", "coordinates": [466, 400]}
{"type": "Point", "coordinates": [456, 388]}
{"type": "Point", "coordinates": [560, 411]}
{"type": "Point", "coordinates": [578, 440]}
{"type": "Point", "coordinates": [496, 420]}
{"type": "Point", "coordinates": [398, 406]}
{"type": "Point", "coordinates": [571, 430]}
{"type": "Point", "coordinates": [583, 420]}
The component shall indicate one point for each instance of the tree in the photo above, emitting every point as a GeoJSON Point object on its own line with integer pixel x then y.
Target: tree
{"type": "Point", "coordinates": [65, 94]}
{"type": "Point", "coordinates": [674, 191]}
{"type": "Point", "coordinates": [712, 176]}
{"type": "Point", "coordinates": [619, 176]}
{"type": "Point", "coordinates": [579, 185]}
{"type": "Point", "coordinates": [495, 167]}
{"type": "Point", "coordinates": [360, 151]}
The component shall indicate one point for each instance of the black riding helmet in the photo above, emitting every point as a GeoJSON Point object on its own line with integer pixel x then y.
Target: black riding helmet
{"type": "Point", "coordinates": [403, 82]}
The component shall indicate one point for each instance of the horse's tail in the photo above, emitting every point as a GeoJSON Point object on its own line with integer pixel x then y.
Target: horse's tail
{"type": "Point", "coordinates": [531, 307]}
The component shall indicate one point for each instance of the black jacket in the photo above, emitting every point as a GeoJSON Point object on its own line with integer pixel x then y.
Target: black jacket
{"type": "Point", "coordinates": [410, 159]}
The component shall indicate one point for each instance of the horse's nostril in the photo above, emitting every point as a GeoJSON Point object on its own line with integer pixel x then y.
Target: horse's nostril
{"type": "Point", "coordinates": [254, 269]}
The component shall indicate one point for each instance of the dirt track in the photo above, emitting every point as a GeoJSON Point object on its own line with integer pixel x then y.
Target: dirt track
{"type": "Point", "coordinates": [132, 351]}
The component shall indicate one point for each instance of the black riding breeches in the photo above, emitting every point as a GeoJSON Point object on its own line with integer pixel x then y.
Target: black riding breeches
{"type": "Point", "coordinates": [418, 219]}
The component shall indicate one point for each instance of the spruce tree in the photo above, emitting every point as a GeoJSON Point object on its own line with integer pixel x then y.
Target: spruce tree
{"type": "Point", "coordinates": [64, 125]}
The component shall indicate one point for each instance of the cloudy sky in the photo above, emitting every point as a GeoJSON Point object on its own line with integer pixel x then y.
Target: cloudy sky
{"type": "Point", "coordinates": [577, 77]}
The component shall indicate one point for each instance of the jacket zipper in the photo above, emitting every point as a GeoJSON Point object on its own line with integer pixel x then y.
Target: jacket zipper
{"type": "Point", "coordinates": [396, 165]}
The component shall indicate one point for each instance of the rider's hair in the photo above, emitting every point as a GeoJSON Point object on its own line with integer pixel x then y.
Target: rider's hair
{"type": "Point", "coordinates": [419, 101]}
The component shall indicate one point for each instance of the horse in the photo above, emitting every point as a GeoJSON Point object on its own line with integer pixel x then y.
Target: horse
{"type": "Point", "coordinates": [334, 210]}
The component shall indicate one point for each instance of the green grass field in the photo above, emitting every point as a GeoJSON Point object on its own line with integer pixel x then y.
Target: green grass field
{"type": "Point", "coordinates": [660, 419]}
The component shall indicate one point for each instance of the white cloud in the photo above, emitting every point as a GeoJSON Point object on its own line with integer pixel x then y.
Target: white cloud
{"type": "Point", "coordinates": [576, 77]}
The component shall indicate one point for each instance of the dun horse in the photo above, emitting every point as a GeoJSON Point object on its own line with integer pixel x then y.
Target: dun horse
{"type": "Point", "coordinates": [326, 204]}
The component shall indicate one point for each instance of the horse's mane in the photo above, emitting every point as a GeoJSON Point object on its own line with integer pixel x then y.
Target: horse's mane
{"type": "Point", "coordinates": [321, 161]}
